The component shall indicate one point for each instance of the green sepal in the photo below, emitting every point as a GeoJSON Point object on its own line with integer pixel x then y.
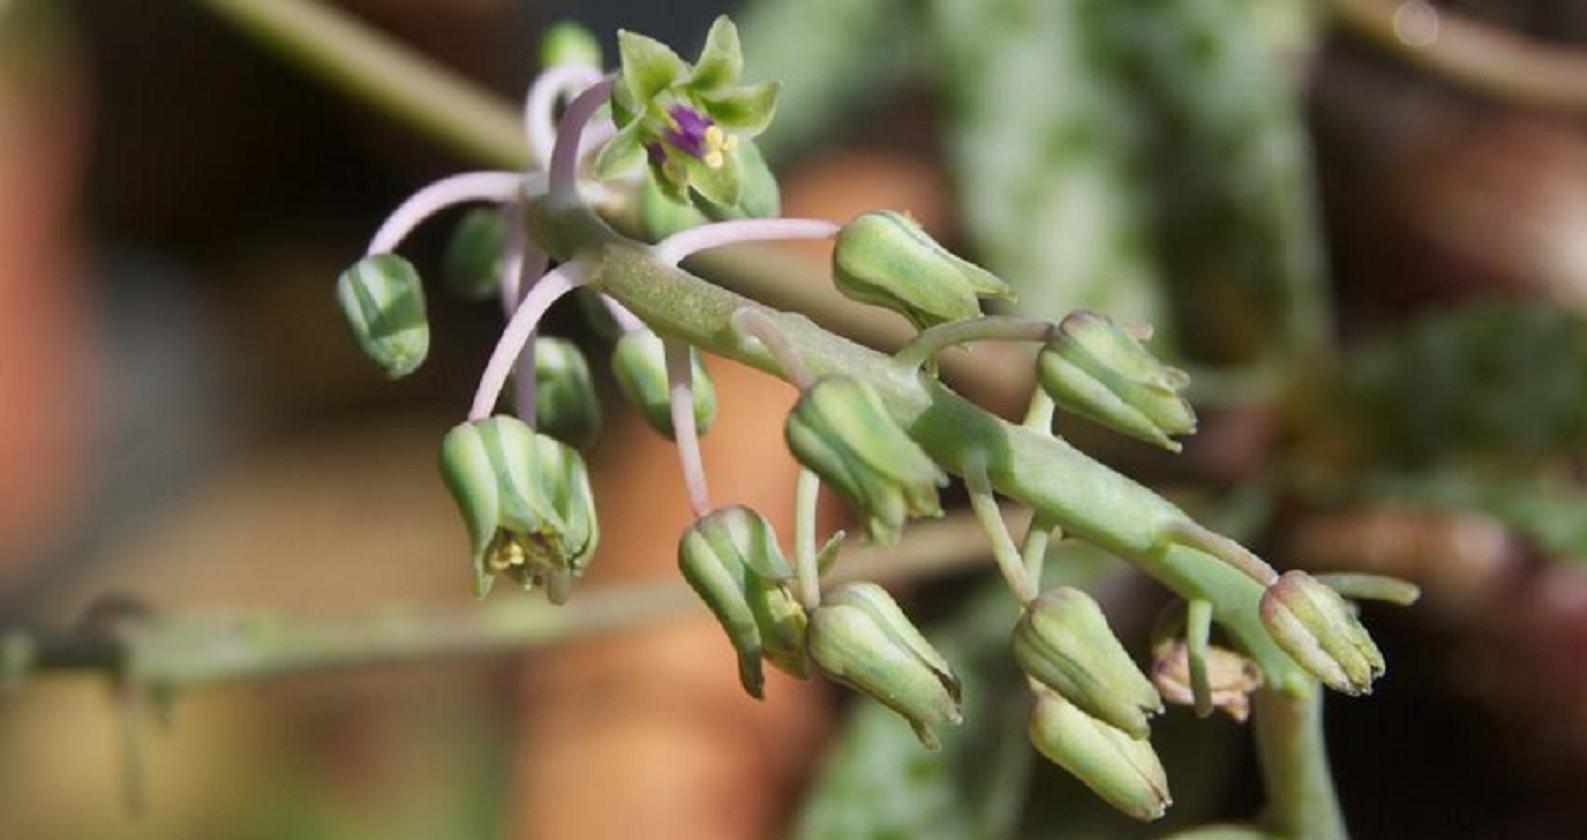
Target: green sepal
{"type": "Point", "coordinates": [566, 405]}
{"type": "Point", "coordinates": [717, 184]}
{"type": "Point", "coordinates": [382, 303]}
{"type": "Point", "coordinates": [759, 195]}
{"type": "Point", "coordinates": [640, 365]}
{"type": "Point", "coordinates": [471, 268]}
{"type": "Point", "coordinates": [625, 151]}
{"type": "Point", "coordinates": [721, 60]}
{"type": "Point", "coordinates": [745, 109]}
{"type": "Point", "coordinates": [648, 66]}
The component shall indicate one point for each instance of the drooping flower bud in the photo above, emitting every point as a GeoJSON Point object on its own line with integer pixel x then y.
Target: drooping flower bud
{"type": "Point", "coordinates": [382, 302]}
{"type": "Point", "coordinates": [568, 42]}
{"type": "Point", "coordinates": [840, 430]}
{"type": "Point", "coordinates": [1124, 771]}
{"type": "Point", "coordinates": [526, 500]}
{"type": "Point", "coordinates": [566, 407]}
{"type": "Point", "coordinates": [687, 121]}
{"type": "Point", "coordinates": [886, 259]}
{"type": "Point", "coordinates": [1230, 678]}
{"type": "Point", "coordinates": [1063, 642]}
{"type": "Point", "coordinates": [1319, 630]}
{"type": "Point", "coordinates": [859, 637]}
{"type": "Point", "coordinates": [1099, 370]}
{"type": "Point", "coordinates": [731, 559]}
{"type": "Point", "coordinates": [472, 264]}
{"type": "Point", "coordinates": [639, 362]}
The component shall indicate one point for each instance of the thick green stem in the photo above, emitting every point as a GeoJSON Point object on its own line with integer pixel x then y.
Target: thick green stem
{"type": "Point", "coordinates": [1086, 498]}
{"type": "Point", "coordinates": [1294, 759]}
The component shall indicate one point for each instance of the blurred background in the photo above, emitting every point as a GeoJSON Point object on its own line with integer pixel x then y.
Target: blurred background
{"type": "Point", "coordinates": [1378, 277]}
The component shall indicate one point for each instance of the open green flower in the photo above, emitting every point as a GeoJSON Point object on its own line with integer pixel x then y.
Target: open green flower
{"type": "Point", "coordinates": [841, 431]}
{"type": "Point", "coordinates": [731, 559]}
{"type": "Point", "coordinates": [526, 500]}
{"type": "Point", "coordinates": [686, 121]}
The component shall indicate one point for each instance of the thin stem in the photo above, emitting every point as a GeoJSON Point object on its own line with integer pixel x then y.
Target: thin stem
{"type": "Point", "coordinates": [1294, 758]}
{"type": "Point", "coordinates": [751, 322]}
{"type": "Point", "coordinates": [680, 393]}
{"type": "Point", "coordinates": [677, 247]}
{"type": "Point", "coordinates": [922, 348]}
{"type": "Point", "coordinates": [1197, 536]}
{"type": "Point", "coordinates": [1040, 412]}
{"type": "Point", "coordinates": [565, 155]}
{"type": "Point", "coordinates": [1365, 587]}
{"type": "Point", "coordinates": [807, 493]}
{"type": "Point", "coordinates": [626, 320]}
{"type": "Point", "coordinates": [984, 504]}
{"type": "Point", "coordinates": [1038, 418]}
{"type": "Point", "coordinates": [495, 187]}
{"type": "Point", "coordinates": [175, 650]}
{"type": "Point", "coordinates": [520, 328]}
{"type": "Point", "coordinates": [1198, 630]}
{"type": "Point", "coordinates": [540, 105]}
{"type": "Point", "coordinates": [1466, 52]}
{"type": "Point", "coordinates": [387, 76]}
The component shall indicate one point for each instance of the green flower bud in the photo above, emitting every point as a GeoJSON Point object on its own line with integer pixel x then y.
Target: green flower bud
{"type": "Point", "coordinates": [841, 431]}
{"type": "Point", "coordinates": [687, 121]}
{"type": "Point", "coordinates": [1063, 642]}
{"type": "Point", "coordinates": [567, 42]}
{"type": "Point", "coordinates": [885, 258]}
{"type": "Point", "coordinates": [566, 407]}
{"type": "Point", "coordinates": [471, 267]}
{"type": "Point", "coordinates": [860, 637]}
{"type": "Point", "coordinates": [1100, 371]}
{"type": "Point", "coordinates": [730, 557]}
{"type": "Point", "coordinates": [526, 500]}
{"type": "Point", "coordinates": [1124, 771]}
{"type": "Point", "coordinates": [382, 302]}
{"type": "Point", "coordinates": [640, 364]}
{"type": "Point", "coordinates": [1319, 630]}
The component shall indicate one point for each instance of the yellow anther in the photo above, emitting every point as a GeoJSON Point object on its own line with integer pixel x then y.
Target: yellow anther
{"type": "Point", "coordinates": [730, 143]}
{"type": "Point", "coordinates": [714, 159]}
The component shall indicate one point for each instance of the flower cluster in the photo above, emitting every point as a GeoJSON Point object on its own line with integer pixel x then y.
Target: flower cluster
{"type": "Point", "coordinates": [521, 484]}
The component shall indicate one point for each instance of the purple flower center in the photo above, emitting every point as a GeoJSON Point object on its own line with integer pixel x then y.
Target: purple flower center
{"type": "Point", "coordinates": [688, 132]}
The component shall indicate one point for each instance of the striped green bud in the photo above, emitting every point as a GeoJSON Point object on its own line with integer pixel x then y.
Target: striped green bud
{"type": "Point", "coordinates": [859, 637]}
{"type": "Point", "coordinates": [840, 430]}
{"type": "Point", "coordinates": [1098, 370]}
{"type": "Point", "coordinates": [566, 406]}
{"type": "Point", "coordinates": [382, 302]}
{"type": "Point", "coordinates": [731, 559]}
{"type": "Point", "coordinates": [1319, 630]}
{"type": "Point", "coordinates": [640, 364]}
{"type": "Point", "coordinates": [472, 264]}
{"type": "Point", "coordinates": [526, 500]}
{"type": "Point", "coordinates": [568, 42]}
{"type": "Point", "coordinates": [1063, 642]}
{"type": "Point", "coordinates": [887, 259]}
{"type": "Point", "coordinates": [1124, 771]}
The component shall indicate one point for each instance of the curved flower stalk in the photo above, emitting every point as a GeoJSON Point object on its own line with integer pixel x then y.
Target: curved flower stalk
{"type": "Point", "coordinates": [886, 434]}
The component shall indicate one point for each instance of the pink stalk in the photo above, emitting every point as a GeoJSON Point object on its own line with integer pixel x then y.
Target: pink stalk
{"type": "Point", "coordinates": [520, 328]}
{"type": "Point", "coordinates": [675, 248]}
{"type": "Point", "coordinates": [539, 110]}
{"type": "Point", "coordinates": [495, 187]}
{"type": "Point", "coordinates": [680, 391]}
{"type": "Point", "coordinates": [565, 155]}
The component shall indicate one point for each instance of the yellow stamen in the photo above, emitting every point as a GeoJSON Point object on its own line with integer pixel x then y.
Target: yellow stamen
{"type": "Point", "coordinates": [714, 159]}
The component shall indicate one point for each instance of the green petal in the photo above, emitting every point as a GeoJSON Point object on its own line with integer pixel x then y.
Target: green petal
{"type": "Point", "coordinates": [720, 185]}
{"type": "Point", "coordinates": [746, 109]}
{"type": "Point", "coordinates": [623, 152]}
{"type": "Point", "coordinates": [649, 66]}
{"type": "Point", "coordinates": [721, 61]}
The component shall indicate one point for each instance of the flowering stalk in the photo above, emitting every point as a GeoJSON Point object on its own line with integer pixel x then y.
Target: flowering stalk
{"type": "Point", "coordinates": [492, 187]}
{"type": "Point", "coordinates": [1042, 530]}
{"type": "Point", "coordinates": [565, 155]}
{"type": "Point", "coordinates": [675, 248]}
{"type": "Point", "coordinates": [807, 492]}
{"type": "Point", "coordinates": [984, 504]}
{"type": "Point", "coordinates": [520, 328]}
{"type": "Point", "coordinates": [925, 346]}
{"type": "Point", "coordinates": [680, 381]}
{"type": "Point", "coordinates": [539, 110]}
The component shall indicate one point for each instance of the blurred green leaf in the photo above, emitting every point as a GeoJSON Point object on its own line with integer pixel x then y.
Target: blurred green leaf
{"type": "Point", "coordinates": [1505, 379]}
